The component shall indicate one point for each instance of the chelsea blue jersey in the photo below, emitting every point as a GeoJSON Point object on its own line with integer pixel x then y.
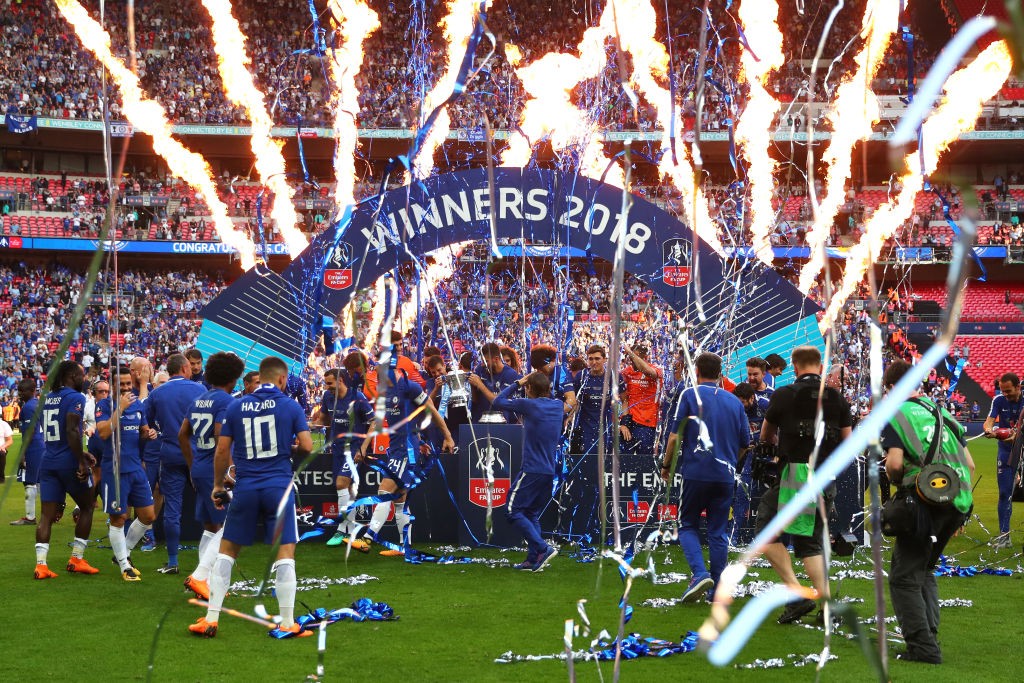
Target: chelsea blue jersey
{"type": "Point", "coordinates": [354, 404]}
{"type": "Point", "coordinates": [32, 445]}
{"type": "Point", "coordinates": [130, 423]}
{"type": "Point", "coordinates": [166, 408]}
{"type": "Point", "coordinates": [204, 413]}
{"type": "Point", "coordinates": [263, 426]}
{"type": "Point", "coordinates": [56, 407]}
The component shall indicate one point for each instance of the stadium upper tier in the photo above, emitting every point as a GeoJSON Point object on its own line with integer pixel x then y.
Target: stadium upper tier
{"type": "Point", "coordinates": [990, 356]}
{"type": "Point", "coordinates": [47, 72]}
{"type": "Point", "coordinates": [64, 206]}
{"type": "Point", "coordinates": [985, 301]}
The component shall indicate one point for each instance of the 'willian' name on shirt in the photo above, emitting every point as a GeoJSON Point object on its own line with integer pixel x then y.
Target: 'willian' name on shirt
{"type": "Point", "coordinates": [205, 403]}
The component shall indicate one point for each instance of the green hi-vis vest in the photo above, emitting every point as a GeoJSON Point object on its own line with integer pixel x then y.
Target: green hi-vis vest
{"type": "Point", "coordinates": [915, 424]}
{"type": "Point", "coordinates": [794, 476]}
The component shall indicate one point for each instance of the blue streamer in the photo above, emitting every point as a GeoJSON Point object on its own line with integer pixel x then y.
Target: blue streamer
{"type": "Point", "coordinates": [319, 42]}
{"type": "Point", "coordinates": [363, 609]}
{"type": "Point", "coordinates": [634, 646]}
{"type": "Point", "coordinates": [956, 228]}
{"type": "Point", "coordinates": [302, 154]}
{"type": "Point", "coordinates": [729, 121]}
{"type": "Point", "coordinates": [457, 90]}
{"type": "Point", "coordinates": [955, 370]}
{"type": "Point", "coordinates": [945, 569]}
{"type": "Point", "coordinates": [259, 224]}
{"type": "Point", "coordinates": [908, 39]}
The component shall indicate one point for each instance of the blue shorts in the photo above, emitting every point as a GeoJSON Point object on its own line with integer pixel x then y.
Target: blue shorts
{"type": "Point", "coordinates": [56, 485]}
{"type": "Point", "coordinates": [398, 469]}
{"type": "Point", "coordinates": [135, 492]}
{"type": "Point", "coordinates": [206, 511]}
{"type": "Point", "coordinates": [33, 462]}
{"type": "Point", "coordinates": [250, 506]}
{"type": "Point", "coordinates": [340, 465]}
{"type": "Point", "coordinates": [152, 468]}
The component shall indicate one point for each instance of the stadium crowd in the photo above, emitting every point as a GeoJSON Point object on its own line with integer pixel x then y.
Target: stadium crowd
{"type": "Point", "coordinates": [47, 73]}
{"type": "Point", "coordinates": [158, 316]}
{"type": "Point", "coordinates": [572, 311]}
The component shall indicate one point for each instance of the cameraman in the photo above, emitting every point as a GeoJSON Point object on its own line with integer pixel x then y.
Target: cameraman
{"type": "Point", "coordinates": [907, 440]}
{"type": "Point", "coordinates": [790, 422]}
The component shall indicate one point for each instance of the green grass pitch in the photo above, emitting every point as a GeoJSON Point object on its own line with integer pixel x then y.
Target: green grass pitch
{"type": "Point", "coordinates": [455, 619]}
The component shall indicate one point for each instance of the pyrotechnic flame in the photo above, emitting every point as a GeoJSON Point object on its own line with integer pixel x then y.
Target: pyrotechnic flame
{"type": "Point", "coordinates": [637, 21]}
{"type": "Point", "coordinates": [458, 27]}
{"type": "Point", "coordinates": [513, 54]}
{"type": "Point", "coordinates": [550, 111]}
{"type": "Point", "coordinates": [966, 91]}
{"type": "Point", "coordinates": [150, 117]}
{"type": "Point", "coordinates": [853, 113]}
{"type": "Point", "coordinates": [356, 22]}
{"type": "Point", "coordinates": [380, 308]}
{"type": "Point", "coordinates": [754, 130]}
{"type": "Point", "coordinates": [233, 63]}
{"type": "Point", "coordinates": [348, 319]}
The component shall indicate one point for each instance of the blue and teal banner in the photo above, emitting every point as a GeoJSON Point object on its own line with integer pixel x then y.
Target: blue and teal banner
{"type": "Point", "coordinates": [743, 302]}
{"type": "Point", "coordinates": [129, 246]}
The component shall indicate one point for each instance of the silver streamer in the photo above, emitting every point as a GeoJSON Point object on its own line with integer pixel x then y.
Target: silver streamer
{"type": "Point", "coordinates": [956, 602]}
{"type": "Point", "coordinates": [781, 662]}
{"type": "Point", "coordinates": [306, 583]}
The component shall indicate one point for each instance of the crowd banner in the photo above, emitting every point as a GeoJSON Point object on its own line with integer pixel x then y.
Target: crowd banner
{"type": "Point", "coordinates": [17, 123]}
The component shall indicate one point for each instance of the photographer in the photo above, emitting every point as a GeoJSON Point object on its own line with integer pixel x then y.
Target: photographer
{"type": "Point", "coordinates": [790, 422]}
{"type": "Point", "coordinates": [912, 453]}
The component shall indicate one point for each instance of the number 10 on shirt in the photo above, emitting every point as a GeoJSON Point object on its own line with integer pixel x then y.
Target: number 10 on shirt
{"type": "Point", "coordinates": [260, 436]}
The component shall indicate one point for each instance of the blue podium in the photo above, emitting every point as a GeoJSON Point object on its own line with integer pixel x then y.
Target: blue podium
{"type": "Point", "coordinates": [499, 448]}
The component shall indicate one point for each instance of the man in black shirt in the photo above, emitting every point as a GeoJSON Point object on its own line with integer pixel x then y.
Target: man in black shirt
{"type": "Point", "coordinates": [790, 422]}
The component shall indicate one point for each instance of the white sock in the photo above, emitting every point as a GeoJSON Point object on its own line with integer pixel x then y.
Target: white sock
{"type": "Point", "coordinates": [344, 522]}
{"type": "Point", "coordinates": [31, 493]}
{"type": "Point", "coordinates": [204, 540]}
{"type": "Point", "coordinates": [380, 515]}
{"type": "Point", "coordinates": [208, 557]}
{"type": "Point", "coordinates": [220, 579]}
{"type": "Point", "coordinates": [117, 542]}
{"type": "Point", "coordinates": [404, 522]}
{"type": "Point", "coordinates": [78, 547]}
{"type": "Point", "coordinates": [135, 533]}
{"type": "Point", "coordinates": [42, 550]}
{"type": "Point", "coordinates": [284, 586]}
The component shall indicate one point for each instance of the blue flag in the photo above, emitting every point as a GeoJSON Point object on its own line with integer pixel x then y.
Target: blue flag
{"type": "Point", "coordinates": [17, 123]}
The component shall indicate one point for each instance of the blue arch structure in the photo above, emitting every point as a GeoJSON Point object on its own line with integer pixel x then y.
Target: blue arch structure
{"type": "Point", "coordinates": [266, 313]}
